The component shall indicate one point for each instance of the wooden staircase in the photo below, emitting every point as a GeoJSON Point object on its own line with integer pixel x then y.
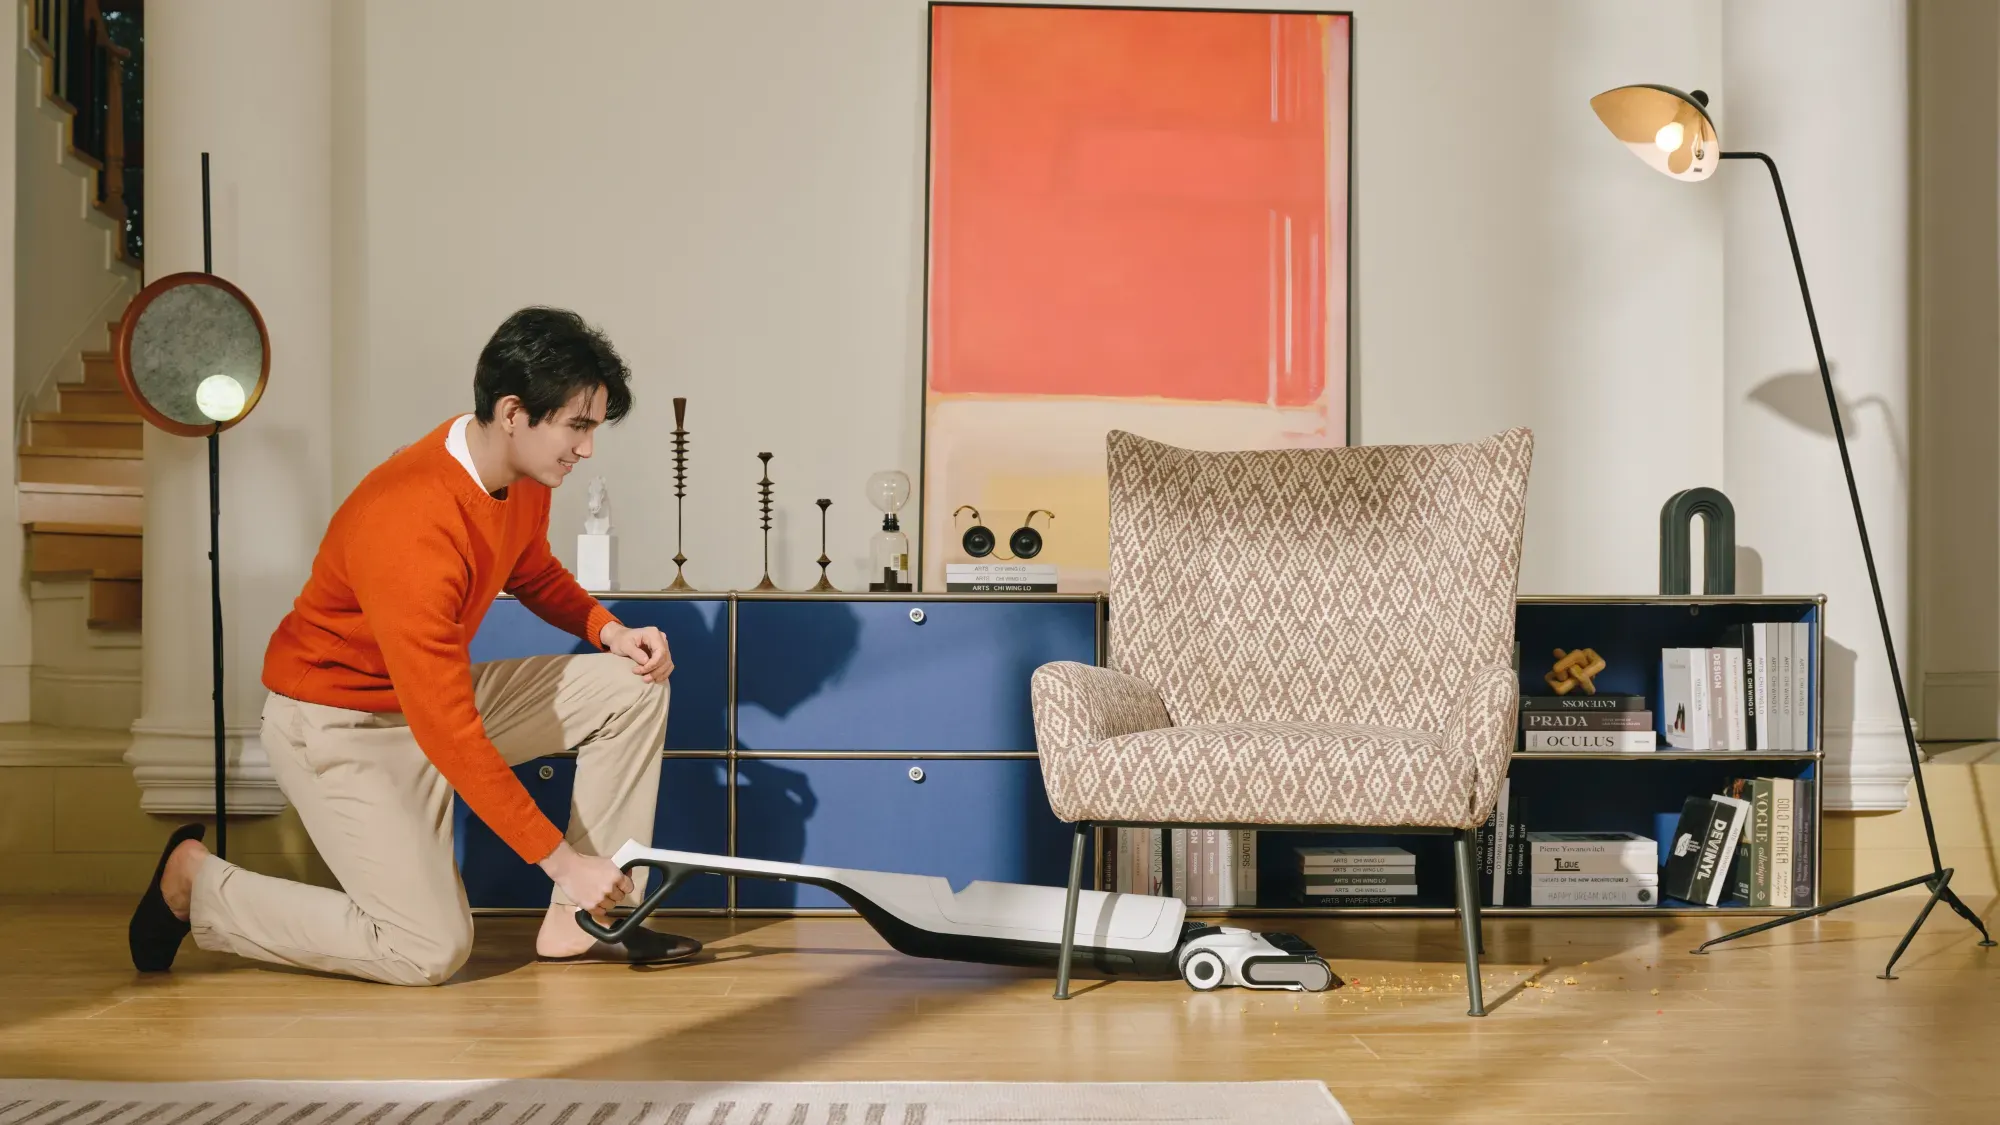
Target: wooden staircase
{"type": "Point", "coordinates": [82, 492]}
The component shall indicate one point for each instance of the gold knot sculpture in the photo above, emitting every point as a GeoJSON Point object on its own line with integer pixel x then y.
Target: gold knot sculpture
{"type": "Point", "coordinates": [1575, 668]}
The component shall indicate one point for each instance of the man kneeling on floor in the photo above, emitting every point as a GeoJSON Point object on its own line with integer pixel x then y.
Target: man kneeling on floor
{"type": "Point", "coordinates": [377, 716]}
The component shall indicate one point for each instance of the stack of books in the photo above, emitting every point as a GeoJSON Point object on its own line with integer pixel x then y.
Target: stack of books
{"type": "Point", "coordinates": [1604, 722]}
{"type": "Point", "coordinates": [1752, 692]}
{"type": "Point", "coordinates": [1593, 869]}
{"type": "Point", "coordinates": [1358, 876]}
{"type": "Point", "coordinates": [1775, 851]}
{"type": "Point", "coordinates": [1000, 578]}
{"type": "Point", "coordinates": [1199, 866]}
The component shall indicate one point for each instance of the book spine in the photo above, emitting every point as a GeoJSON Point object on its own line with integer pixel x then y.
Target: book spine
{"type": "Point", "coordinates": [1805, 816]}
{"type": "Point", "coordinates": [1246, 867]}
{"type": "Point", "coordinates": [1359, 900]}
{"type": "Point", "coordinates": [1737, 814]}
{"type": "Point", "coordinates": [1802, 668]}
{"type": "Point", "coordinates": [1225, 868]}
{"type": "Point", "coordinates": [1517, 852]}
{"type": "Point", "coordinates": [1698, 722]}
{"type": "Point", "coordinates": [1616, 741]}
{"type": "Point", "coordinates": [1586, 720]}
{"type": "Point", "coordinates": [1340, 890]}
{"type": "Point", "coordinates": [1760, 842]}
{"type": "Point", "coordinates": [1632, 894]}
{"type": "Point", "coordinates": [1783, 683]}
{"type": "Point", "coordinates": [1782, 811]}
{"type": "Point", "coordinates": [1329, 879]}
{"type": "Point", "coordinates": [1732, 689]}
{"type": "Point", "coordinates": [1180, 860]}
{"type": "Point", "coordinates": [1718, 700]}
{"type": "Point", "coordinates": [1675, 710]}
{"type": "Point", "coordinates": [1000, 587]}
{"type": "Point", "coordinates": [1760, 677]}
{"type": "Point", "coordinates": [1497, 846]}
{"type": "Point", "coordinates": [1156, 859]}
{"type": "Point", "coordinates": [1612, 865]}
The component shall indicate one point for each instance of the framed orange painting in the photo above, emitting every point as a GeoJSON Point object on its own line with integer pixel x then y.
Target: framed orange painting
{"type": "Point", "coordinates": [1138, 220]}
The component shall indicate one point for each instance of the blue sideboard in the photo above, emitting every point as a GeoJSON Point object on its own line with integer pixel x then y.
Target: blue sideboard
{"type": "Point", "coordinates": [890, 732]}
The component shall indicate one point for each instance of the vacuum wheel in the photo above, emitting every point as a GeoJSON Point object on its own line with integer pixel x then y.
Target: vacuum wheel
{"type": "Point", "coordinates": [1203, 970]}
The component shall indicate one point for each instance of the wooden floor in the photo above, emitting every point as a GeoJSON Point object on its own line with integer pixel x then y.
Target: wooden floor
{"type": "Point", "coordinates": [1592, 1019]}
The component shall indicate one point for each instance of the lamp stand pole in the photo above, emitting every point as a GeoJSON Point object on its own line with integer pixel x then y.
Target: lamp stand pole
{"type": "Point", "coordinates": [1939, 877]}
{"type": "Point", "coordinates": [215, 567]}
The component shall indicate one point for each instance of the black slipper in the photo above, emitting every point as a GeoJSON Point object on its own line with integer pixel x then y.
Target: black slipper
{"type": "Point", "coordinates": [155, 934]}
{"type": "Point", "coordinates": [640, 947]}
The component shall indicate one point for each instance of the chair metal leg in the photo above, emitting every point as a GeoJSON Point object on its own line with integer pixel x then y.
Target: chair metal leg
{"type": "Point", "coordinates": [1468, 915]}
{"type": "Point", "coordinates": [1069, 909]}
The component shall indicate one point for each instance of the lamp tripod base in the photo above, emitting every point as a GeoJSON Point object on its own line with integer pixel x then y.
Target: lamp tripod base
{"type": "Point", "coordinates": [1938, 881]}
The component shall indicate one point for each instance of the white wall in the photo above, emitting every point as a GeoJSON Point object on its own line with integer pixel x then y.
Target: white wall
{"type": "Point", "coordinates": [735, 192]}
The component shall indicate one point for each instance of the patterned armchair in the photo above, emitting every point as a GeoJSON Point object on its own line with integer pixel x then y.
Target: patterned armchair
{"type": "Point", "coordinates": [1307, 638]}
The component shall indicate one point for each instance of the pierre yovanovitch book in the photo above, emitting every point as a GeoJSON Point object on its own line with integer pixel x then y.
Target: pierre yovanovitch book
{"type": "Point", "coordinates": [1704, 848]}
{"type": "Point", "coordinates": [1000, 578]}
{"type": "Point", "coordinates": [1593, 869]}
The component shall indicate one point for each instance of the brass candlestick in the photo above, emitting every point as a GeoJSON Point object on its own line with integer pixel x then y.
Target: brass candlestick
{"type": "Point", "coordinates": [823, 586]}
{"type": "Point", "coordinates": [680, 490]}
{"type": "Point", "coordinates": [764, 492]}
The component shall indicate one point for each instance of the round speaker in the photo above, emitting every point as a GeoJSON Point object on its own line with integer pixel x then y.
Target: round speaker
{"type": "Point", "coordinates": [978, 541]}
{"type": "Point", "coordinates": [1026, 543]}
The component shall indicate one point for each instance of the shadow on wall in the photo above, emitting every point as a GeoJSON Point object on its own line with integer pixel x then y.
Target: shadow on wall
{"type": "Point", "coordinates": [1799, 398]}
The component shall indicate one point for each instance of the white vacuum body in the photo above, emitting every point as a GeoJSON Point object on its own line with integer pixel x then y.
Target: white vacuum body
{"type": "Point", "coordinates": [1117, 935]}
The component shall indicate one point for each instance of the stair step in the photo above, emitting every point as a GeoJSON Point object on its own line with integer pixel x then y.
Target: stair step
{"type": "Point", "coordinates": [45, 502]}
{"type": "Point", "coordinates": [58, 465]}
{"type": "Point", "coordinates": [85, 399]}
{"type": "Point", "coordinates": [84, 548]}
{"type": "Point", "coordinates": [115, 599]}
{"type": "Point", "coordinates": [100, 372]}
{"type": "Point", "coordinates": [87, 431]}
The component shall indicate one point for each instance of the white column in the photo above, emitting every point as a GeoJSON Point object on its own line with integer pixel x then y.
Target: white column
{"type": "Point", "coordinates": [1822, 86]}
{"type": "Point", "coordinates": [250, 83]}
{"type": "Point", "coordinates": [16, 626]}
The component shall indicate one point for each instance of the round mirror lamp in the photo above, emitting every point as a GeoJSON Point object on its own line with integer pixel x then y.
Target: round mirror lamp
{"type": "Point", "coordinates": [193, 354]}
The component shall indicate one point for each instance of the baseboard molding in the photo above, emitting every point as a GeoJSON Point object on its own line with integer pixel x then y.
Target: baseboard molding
{"type": "Point", "coordinates": [1962, 706]}
{"type": "Point", "coordinates": [1867, 767]}
{"type": "Point", "coordinates": [93, 698]}
{"type": "Point", "coordinates": [16, 692]}
{"type": "Point", "coordinates": [174, 767]}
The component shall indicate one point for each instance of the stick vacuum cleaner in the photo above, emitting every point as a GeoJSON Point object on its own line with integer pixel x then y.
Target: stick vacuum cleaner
{"type": "Point", "coordinates": [1141, 937]}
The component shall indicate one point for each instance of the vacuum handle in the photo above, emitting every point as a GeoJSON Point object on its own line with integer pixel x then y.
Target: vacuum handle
{"type": "Point", "coordinates": [615, 933]}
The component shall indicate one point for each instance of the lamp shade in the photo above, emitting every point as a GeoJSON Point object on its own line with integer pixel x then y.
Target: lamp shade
{"type": "Point", "coordinates": [1667, 129]}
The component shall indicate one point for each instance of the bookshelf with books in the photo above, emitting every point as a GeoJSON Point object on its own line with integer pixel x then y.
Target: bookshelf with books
{"type": "Point", "coordinates": [1625, 784]}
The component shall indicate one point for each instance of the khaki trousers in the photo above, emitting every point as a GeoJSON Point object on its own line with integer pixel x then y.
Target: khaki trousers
{"type": "Point", "coordinates": [380, 815]}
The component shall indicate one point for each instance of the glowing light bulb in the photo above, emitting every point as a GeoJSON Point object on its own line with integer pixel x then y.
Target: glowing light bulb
{"type": "Point", "coordinates": [219, 397]}
{"type": "Point", "coordinates": [1669, 137]}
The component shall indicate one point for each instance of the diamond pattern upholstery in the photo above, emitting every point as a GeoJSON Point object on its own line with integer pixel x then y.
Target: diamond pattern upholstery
{"type": "Point", "coordinates": [1301, 636]}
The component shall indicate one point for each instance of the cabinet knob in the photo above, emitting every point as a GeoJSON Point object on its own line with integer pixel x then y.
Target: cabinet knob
{"type": "Point", "coordinates": [916, 773]}
{"type": "Point", "coordinates": [916, 615]}
{"type": "Point", "coordinates": [546, 773]}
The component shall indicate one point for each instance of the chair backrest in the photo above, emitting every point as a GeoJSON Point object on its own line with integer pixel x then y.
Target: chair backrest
{"type": "Point", "coordinates": [1315, 585]}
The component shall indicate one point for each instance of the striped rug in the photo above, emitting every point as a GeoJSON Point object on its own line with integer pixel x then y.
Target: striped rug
{"type": "Point", "coordinates": [573, 1102]}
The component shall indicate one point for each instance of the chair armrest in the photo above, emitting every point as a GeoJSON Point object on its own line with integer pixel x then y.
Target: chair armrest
{"type": "Point", "coordinates": [1078, 706]}
{"type": "Point", "coordinates": [1482, 725]}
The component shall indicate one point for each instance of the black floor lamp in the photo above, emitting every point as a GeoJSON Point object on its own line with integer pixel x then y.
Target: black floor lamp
{"type": "Point", "coordinates": [1672, 132]}
{"type": "Point", "coordinates": [194, 357]}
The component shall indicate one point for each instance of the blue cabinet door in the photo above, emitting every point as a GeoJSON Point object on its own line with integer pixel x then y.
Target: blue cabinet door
{"type": "Point", "coordinates": [697, 632]}
{"type": "Point", "coordinates": [965, 820]}
{"type": "Point", "coordinates": [833, 674]}
{"type": "Point", "coordinates": [693, 815]}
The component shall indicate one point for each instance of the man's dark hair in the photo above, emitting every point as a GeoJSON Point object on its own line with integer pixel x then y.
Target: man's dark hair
{"type": "Point", "coordinates": [546, 357]}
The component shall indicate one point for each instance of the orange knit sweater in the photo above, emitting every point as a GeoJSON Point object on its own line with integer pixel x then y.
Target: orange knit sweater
{"type": "Point", "coordinates": [406, 572]}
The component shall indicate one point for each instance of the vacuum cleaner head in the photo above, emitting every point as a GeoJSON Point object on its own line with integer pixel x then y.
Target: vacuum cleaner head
{"type": "Point", "coordinates": [1214, 956]}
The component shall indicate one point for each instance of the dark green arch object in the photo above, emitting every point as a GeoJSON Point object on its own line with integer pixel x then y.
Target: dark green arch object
{"type": "Point", "coordinates": [1718, 519]}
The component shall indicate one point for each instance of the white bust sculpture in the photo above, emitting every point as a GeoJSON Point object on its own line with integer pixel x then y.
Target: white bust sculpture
{"type": "Point", "coordinates": [598, 522]}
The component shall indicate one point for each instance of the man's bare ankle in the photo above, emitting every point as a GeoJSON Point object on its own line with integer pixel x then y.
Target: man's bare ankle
{"type": "Point", "coordinates": [177, 881]}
